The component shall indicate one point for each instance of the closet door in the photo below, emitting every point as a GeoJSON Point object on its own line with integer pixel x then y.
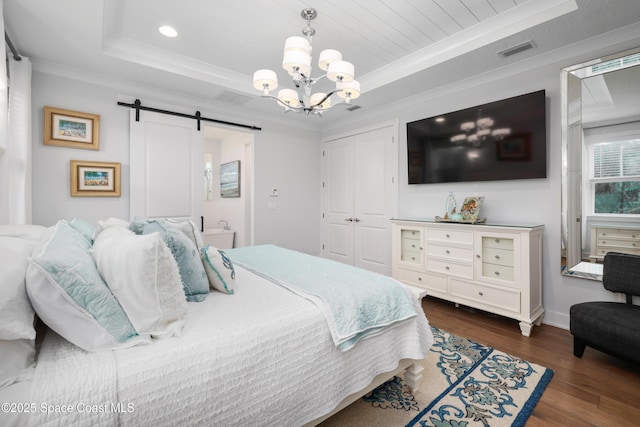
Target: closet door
{"type": "Point", "coordinates": [338, 200]}
{"type": "Point", "coordinates": [359, 199]}
{"type": "Point", "coordinates": [166, 167]}
{"type": "Point", "coordinates": [374, 199]}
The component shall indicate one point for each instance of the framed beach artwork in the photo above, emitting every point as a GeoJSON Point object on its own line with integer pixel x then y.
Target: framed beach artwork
{"type": "Point", "coordinates": [230, 179]}
{"type": "Point", "coordinates": [72, 129]}
{"type": "Point", "coordinates": [95, 179]}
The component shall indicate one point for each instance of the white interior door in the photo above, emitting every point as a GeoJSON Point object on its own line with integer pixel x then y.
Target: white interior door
{"type": "Point", "coordinates": [166, 172]}
{"type": "Point", "coordinates": [338, 200]}
{"type": "Point", "coordinates": [374, 201]}
{"type": "Point", "coordinates": [359, 198]}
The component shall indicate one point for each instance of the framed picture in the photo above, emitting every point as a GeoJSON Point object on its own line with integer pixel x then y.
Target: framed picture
{"type": "Point", "coordinates": [72, 129]}
{"type": "Point", "coordinates": [230, 179]}
{"type": "Point", "coordinates": [95, 179]}
{"type": "Point", "coordinates": [515, 148]}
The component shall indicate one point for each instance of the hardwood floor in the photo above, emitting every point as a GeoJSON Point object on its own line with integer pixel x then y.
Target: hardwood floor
{"type": "Point", "coordinates": [595, 390]}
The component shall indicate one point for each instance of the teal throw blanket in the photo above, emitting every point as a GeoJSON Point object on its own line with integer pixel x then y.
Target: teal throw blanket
{"type": "Point", "coordinates": [356, 302]}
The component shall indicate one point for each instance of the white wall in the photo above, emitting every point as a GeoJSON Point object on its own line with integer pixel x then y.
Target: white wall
{"type": "Point", "coordinates": [526, 202]}
{"type": "Point", "coordinates": [284, 156]}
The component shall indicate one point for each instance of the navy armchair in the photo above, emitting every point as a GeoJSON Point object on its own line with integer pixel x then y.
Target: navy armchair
{"type": "Point", "coordinates": [612, 327]}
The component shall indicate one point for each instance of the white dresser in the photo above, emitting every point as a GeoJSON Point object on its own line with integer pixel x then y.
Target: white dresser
{"type": "Point", "coordinates": [496, 268]}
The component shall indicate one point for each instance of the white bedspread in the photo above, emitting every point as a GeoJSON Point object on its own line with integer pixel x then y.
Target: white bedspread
{"type": "Point", "coordinates": [261, 357]}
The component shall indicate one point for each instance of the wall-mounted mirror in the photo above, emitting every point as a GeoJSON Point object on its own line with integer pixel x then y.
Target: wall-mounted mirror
{"type": "Point", "coordinates": [600, 162]}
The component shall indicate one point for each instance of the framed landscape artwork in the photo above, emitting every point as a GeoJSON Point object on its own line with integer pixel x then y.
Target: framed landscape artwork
{"type": "Point", "coordinates": [72, 129]}
{"type": "Point", "coordinates": [230, 179]}
{"type": "Point", "coordinates": [95, 179]}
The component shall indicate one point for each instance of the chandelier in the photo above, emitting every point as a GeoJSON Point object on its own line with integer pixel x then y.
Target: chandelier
{"type": "Point", "coordinates": [479, 131]}
{"type": "Point", "coordinates": [297, 62]}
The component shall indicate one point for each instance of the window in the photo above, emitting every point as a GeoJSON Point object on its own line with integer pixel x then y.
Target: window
{"type": "Point", "coordinates": [615, 177]}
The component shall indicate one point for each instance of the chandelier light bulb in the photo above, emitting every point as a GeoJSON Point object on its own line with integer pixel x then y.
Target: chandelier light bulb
{"type": "Point", "coordinates": [297, 43]}
{"type": "Point", "coordinates": [328, 56]}
{"type": "Point", "coordinates": [340, 71]}
{"type": "Point", "coordinates": [265, 80]}
{"type": "Point", "coordinates": [289, 97]}
{"type": "Point", "coordinates": [297, 62]}
{"type": "Point", "coordinates": [350, 90]}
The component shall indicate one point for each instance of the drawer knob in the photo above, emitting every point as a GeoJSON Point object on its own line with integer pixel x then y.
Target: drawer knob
{"type": "Point", "coordinates": [497, 240]}
{"type": "Point", "coordinates": [446, 267]}
{"type": "Point", "coordinates": [604, 243]}
{"type": "Point", "coordinates": [447, 236]}
{"type": "Point", "coordinates": [413, 246]}
{"type": "Point", "coordinates": [447, 251]}
{"type": "Point", "coordinates": [497, 256]}
{"type": "Point", "coordinates": [413, 258]}
{"type": "Point", "coordinates": [419, 279]}
{"type": "Point", "coordinates": [478, 256]}
{"type": "Point", "coordinates": [497, 273]}
{"type": "Point", "coordinates": [480, 293]}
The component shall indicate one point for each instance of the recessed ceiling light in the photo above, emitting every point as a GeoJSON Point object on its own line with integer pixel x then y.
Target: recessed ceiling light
{"type": "Point", "coordinates": [168, 31]}
{"type": "Point", "coordinates": [439, 119]}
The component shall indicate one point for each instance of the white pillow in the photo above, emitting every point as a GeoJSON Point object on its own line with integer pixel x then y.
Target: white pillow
{"type": "Point", "coordinates": [18, 358]}
{"type": "Point", "coordinates": [17, 334]}
{"type": "Point", "coordinates": [103, 224]}
{"type": "Point", "coordinates": [143, 275]}
{"type": "Point", "coordinates": [219, 268]}
{"type": "Point", "coordinates": [69, 295]}
{"type": "Point", "coordinates": [16, 314]}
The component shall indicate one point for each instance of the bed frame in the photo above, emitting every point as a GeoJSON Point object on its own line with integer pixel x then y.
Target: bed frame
{"type": "Point", "coordinates": [413, 373]}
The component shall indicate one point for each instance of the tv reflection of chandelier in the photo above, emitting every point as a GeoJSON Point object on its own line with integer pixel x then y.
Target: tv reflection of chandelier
{"type": "Point", "coordinates": [479, 131]}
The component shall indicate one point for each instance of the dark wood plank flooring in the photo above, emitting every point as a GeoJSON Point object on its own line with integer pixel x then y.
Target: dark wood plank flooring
{"type": "Point", "coordinates": [595, 390]}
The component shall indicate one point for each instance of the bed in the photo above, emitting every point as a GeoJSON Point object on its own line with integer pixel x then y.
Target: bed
{"type": "Point", "coordinates": [257, 354]}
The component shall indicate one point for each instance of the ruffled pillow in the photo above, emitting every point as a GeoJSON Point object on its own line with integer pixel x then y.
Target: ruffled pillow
{"type": "Point", "coordinates": [220, 270]}
{"type": "Point", "coordinates": [187, 255]}
{"type": "Point", "coordinates": [143, 275]}
{"type": "Point", "coordinates": [69, 295]}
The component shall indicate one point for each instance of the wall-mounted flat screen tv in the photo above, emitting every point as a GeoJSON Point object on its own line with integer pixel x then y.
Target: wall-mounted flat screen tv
{"type": "Point", "coordinates": [501, 140]}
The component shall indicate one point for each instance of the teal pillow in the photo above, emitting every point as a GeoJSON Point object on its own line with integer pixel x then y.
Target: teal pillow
{"type": "Point", "coordinates": [187, 255]}
{"type": "Point", "coordinates": [69, 295]}
{"type": "Point", "coordinates": [137, 225]}
{"type": "Point", "coordinates": [84, 228]}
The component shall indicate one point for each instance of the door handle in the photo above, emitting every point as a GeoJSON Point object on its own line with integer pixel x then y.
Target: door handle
{"type": "Point", "coordinates": [356, 219]}
{"type": "Point", "coordinates": [349, 219]}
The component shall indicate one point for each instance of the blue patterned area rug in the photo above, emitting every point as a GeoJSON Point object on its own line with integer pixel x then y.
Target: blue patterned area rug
{"type": "Point", "coordinates": [466, 384]}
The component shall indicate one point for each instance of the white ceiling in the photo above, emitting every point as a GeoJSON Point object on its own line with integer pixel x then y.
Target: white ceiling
{"type": "Point", "coordinates": [395, 45]}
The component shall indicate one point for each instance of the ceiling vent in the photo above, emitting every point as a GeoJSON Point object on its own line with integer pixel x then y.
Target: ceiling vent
{"type": "Point", "coordinates": [353, 108]}
{"type": "Point", "coordinates": [517, 48]}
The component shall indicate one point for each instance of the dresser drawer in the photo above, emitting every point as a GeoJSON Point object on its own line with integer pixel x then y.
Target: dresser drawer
{"type": "Point", "coordinates": [409, 234]}
{"type": "Point", "coordinates": [602, 251]}
{"type": "Point", "coordinates": [423, 280]}
{"type": "Point", "coordinates": [450, 268]}
{"type": "Point", "coordinates": [410, 244]}
{"type": "Point", "coordinates": [618, 243]}
{"type": "Point", "coordinates": [410, 256]}
{"type": "Point", "coordinates": [497, 243]}
{"type": "Point", "coordinates": [450, 236]}
{"type": "Point", "coordinates": [457, 253]}
{"type": "Point", "coordinates": [495, 271]}
{"type": "Point", "coordinates": [613, 233]}
{"type": "Point", "coordinates": [497, 256]}
{"type": "Point", "coordinates": [485, 295]}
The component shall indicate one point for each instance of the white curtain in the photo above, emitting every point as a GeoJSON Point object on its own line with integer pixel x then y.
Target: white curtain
{"type": "Point", "coordinates": [15, 138]}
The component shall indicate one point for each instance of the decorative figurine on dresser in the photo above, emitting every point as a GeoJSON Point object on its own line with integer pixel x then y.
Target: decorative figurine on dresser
{"type": "Point", "coordinates": [492, 267]}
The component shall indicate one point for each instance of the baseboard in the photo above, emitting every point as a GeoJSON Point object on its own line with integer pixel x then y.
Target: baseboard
{"type": "Point", "coordinates": [557, 319]}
